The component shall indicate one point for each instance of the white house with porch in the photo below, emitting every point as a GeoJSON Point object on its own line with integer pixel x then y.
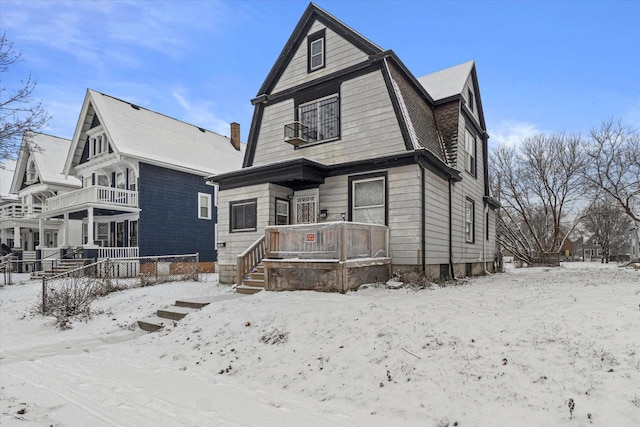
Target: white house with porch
{"type": "Point", "coordinates": [37, 178]}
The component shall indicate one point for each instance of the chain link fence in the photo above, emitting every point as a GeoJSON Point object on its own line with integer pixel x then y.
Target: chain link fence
{"type": "Point", "coordinates": [72, 292]}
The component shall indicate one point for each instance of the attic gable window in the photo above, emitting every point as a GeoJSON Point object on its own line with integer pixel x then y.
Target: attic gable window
{"type": "Point", "coordinates": [98, 144]}
{"type": "Point", "coordinates": [470, 97]}
{"type": "Point", "coordinates": [316, 51]}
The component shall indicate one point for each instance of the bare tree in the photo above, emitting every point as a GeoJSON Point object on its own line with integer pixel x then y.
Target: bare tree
{"type": "Point", "coordinates": [537, 184]}
{"type": "Point", "coordinates": [19, 112]}
{"type": "Point", "coordinates": [614, 165]}
{"type": "Point", "coordinates": [610, 224]}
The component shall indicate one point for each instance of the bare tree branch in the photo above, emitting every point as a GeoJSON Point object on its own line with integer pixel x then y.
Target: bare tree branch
{"type": "Point", "coordinates": [19, 112]}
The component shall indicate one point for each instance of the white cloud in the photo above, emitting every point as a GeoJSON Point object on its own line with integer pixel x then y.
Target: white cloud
{"type": "Point", "coordinates": [512, 133]}
{"type": "Point", "coordinates": [201, 113]}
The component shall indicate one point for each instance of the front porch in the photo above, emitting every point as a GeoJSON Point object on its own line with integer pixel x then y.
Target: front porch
{"type": "Point", "coordinates": [331, 256]}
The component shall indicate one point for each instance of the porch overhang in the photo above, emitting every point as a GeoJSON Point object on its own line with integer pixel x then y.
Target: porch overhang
{"type": "Point", "coordinates": [302, 173]}
{"type": "Point", "coordinates": [81, 211]}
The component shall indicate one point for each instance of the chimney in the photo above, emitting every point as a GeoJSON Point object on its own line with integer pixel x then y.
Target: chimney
{"type": "Point", "coordinates": [235, 135]}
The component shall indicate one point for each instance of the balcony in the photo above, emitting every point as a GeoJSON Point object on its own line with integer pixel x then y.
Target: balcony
{"type": "Point", "coordinates": [19, 211]}
{"type": "Point", "coordinates": [96, 195]}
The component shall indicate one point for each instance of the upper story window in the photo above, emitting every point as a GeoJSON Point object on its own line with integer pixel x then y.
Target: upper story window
{"type": "Point", "coordinates": [471, 101]}
{"type": "Point", "coordinates": [316, 51]}
{"type": "Point", "coordinates": [321, 119]}
{"type": "Point", "coordinates": [32, 174]}
{"type": "Point", "coordinates": [98, 143]}
{"type": "Point", "coordinates": [470, 150]}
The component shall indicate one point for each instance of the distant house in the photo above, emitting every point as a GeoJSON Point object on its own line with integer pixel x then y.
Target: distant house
{"type": "Point", "coordinates": [141, 176]}
{"type": "Point", "coordinates": [38, 177]}
{"type": "Point", "coordinates": [592, 249]}
{"type": "Point", "coordinates": [343, 131]}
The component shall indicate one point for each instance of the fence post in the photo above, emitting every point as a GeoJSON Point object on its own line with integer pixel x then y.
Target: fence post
{"type": "Point", "coordinates": [197, 267]}
{"type": "Point", "coordinates": [156, 258]}
{"type": "Point", "coordinates": [44, 295]}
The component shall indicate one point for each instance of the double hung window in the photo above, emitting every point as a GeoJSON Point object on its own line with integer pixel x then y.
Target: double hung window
{"type": "Point", "coordinates": [204, 206]}
{"type": "Point", "coordinates": [469, 221]}
{"type": "Point", "coordinates": [470, 153]}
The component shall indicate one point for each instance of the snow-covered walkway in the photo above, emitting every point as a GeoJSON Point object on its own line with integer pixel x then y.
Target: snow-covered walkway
{"type": "Point", "coordinates": [503, 350]}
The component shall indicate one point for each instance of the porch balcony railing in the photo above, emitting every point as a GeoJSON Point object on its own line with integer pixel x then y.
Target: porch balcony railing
{"type": "Point", "coordinates": [95, 194]}
{"type": "Point", "coordinates": [19, 210]}
{"type": "Point", "coordinates": [340, 241]}
{"type": "Point", "coordinates": [118, 252]}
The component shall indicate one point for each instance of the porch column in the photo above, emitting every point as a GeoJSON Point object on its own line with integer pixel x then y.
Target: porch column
{"type": "Point", "coordinates": [3, 236]}
{"type": "Point", "coordinates": [65, 231]}
{"type": "Point", "coordinates": [42, 243]}
{"type": "Point", "coordinates": [17, 243]}
{"type": "Point", "coordinates": [90, 237]}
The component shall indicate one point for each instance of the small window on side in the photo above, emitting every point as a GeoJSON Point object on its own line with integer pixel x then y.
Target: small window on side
{"type": "Point", "coordinates": [471, 100]}
{"type": "Point", "coordinates": [204, 206]}
{"type": "Point", "coordinates": [469, 221]}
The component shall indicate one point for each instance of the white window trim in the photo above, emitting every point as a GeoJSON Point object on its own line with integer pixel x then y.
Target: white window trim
{"type": "Point", "coordinates": [470, 149]}
{"type": "Point", "coordinates": [354, 209]}
{"type": "Point", "coordinates": [469, 236]}
{"type": "Point", "coordinates": [200, 205]}
{"type": "Point", "coordinates": [321, 54]}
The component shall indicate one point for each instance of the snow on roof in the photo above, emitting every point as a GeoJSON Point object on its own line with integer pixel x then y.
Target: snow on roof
{"type": "Point", "coordinates": [50, 153]}
{"type": "Point", "coordinates": [146, 135]}
{"type": "Point", "coordinates": [448, 82]}
{"type": "Point", "coordinates": [6, 176]}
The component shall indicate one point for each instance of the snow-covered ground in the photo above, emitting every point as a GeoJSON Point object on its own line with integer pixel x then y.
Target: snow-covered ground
{"type": "Point", "coordinates": [503, 350]}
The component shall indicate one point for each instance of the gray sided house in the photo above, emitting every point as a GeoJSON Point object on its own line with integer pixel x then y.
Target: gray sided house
{"type": "Point", "coordinates": [141, 174]}
{"type": "Point", "coordinates": [343, 132]}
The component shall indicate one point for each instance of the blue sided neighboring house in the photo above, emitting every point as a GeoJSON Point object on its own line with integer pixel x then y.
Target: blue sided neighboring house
{"type": "Point", "coordinates": [142, 189]}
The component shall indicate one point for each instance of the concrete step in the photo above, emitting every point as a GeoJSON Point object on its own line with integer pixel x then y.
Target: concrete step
{"type": "Point", "coordinates": [249, 290]}
{"type": "Point", "coordinates": [174, 312]}
{"type": "Point", "coordinates": [152, 324]}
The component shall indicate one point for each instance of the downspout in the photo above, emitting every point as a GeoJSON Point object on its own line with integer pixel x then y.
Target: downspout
{"type": "Point", "coordinates": [424, 218]}
{"type": "Point", "coordinates": [451, 232]}
{"type": "Point", "coordinates": [484, 240]}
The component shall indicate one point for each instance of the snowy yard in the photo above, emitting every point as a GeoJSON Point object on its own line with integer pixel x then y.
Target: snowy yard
{"type": "Point", "coordinates": [503, 350]}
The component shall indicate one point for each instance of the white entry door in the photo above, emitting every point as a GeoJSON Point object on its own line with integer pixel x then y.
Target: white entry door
{"type": "Point", "coordinates": [305, 206]}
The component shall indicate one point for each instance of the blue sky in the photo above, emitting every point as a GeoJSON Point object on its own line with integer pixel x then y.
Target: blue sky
{"type": "Point", "coordinates": [543, 66]}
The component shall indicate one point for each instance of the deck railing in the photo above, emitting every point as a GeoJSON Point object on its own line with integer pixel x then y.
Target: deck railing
{"type": "Point", "coordinates": [94, 194]}
{"type": "Point", "coordinates": [19, 210]}
{"type": "Point", "coordinates": [249, 259]}
{"type": "Point", "coordinates": [330, 240]}
{"type": "Point", "coordinates": [118, 252]}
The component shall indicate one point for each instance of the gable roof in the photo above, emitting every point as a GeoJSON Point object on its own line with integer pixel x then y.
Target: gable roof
{"type": "Point", "coordinates": [152, 137]}
{"type": "Point", "coordinates": [7, 169]}
{"type": "Point", "coordinates": [49, 154]}
{"type": "Point", "coordinates": [311, 14]}
{"type": "Point", "coordinates": [447, 83]}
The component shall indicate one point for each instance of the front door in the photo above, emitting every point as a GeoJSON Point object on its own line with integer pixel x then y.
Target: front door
{"type": "Point", "coordinates": [305, 206]}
